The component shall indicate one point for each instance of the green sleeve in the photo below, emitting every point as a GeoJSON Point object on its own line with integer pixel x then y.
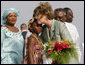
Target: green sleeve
{"type": "Point", "coordinates": [63, 32]}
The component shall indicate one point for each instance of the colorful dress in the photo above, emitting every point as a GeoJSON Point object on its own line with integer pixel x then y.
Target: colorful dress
{"type": "Point", "coordinates": [11, 46]}
{"type": "Point", "coordinates": [37, 50]}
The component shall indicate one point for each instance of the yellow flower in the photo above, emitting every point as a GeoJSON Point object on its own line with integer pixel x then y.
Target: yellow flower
{"type": "Point", "coordinates": [50, 43]}
{"type": "Point", "coordinates": [49, 46]}
{"type": "Point", "coordinates": [56, 53]}
{"type": "Point", "coordinates": [52, 48]}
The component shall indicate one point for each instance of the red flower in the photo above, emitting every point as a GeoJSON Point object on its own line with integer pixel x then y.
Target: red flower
{"type": "Point", "coordinates": [62, 45]}
{"type": "Point", "coordinates": [59, 48]}
{"type": "Point", "coordinates": [57, 44]}
{"type": "Point", "coordinates": [49, 50]}
{"type": "Point", "coordinates": [66, 45]}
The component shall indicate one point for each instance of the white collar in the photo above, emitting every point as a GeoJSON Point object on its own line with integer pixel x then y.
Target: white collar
{"type": "Point", "coordinates": [24, 30]}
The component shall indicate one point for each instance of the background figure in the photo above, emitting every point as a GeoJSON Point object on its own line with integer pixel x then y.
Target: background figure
{"type": "Point", "coordinates": [25, 36]}
{"type": "Point", "coordinates": [60, 15]}
{"type": "Point", "coordinates": [72, 28]}
{"type": "Point", "coordinates": [24, 30]}
{"type": "Point", "coordinates": [66, 17]}
{"type": "Point", "coordinates": [74, 33]}
{"type": "Point", "coordinates": [11, 39]}
{"type": "Point", "coordinates": [24, 33]}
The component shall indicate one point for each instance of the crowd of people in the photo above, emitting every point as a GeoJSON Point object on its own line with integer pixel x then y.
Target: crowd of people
{"type": "Point", "coordinates": [20, 47]}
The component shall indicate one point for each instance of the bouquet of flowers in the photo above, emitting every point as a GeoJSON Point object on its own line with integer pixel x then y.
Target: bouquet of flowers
{"type": "Point", "coordinates": [61, 51]}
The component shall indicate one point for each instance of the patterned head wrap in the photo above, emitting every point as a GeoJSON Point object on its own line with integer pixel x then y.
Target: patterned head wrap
{"type": "Point", "coordinates": [7, 12]}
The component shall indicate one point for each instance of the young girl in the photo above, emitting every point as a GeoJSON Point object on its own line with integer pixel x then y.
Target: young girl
{"type": "Point", "coordinates": [34, 44]}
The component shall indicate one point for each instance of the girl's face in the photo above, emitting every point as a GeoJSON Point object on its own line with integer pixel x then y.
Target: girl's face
{"type": "Point", "coordinates": [37, 28]}
{"type": "Point", "coordinates": [11, 18]}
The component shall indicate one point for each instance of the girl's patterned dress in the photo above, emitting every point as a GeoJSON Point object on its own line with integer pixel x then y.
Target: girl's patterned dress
{"type": "Point", "coordinates": [37, 52]}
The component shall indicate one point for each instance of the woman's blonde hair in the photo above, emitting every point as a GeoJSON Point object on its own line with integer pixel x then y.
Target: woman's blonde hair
{"type": "Point", "coordinates": [44, 8]}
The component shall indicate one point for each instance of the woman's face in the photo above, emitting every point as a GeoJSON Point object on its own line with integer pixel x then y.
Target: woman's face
{"type": "Point", "coordinates": [11, 18]}
{"type": "Point", "coordinates": [41, 19]}
{"type": "Point", "coordinates": [37, 28]}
